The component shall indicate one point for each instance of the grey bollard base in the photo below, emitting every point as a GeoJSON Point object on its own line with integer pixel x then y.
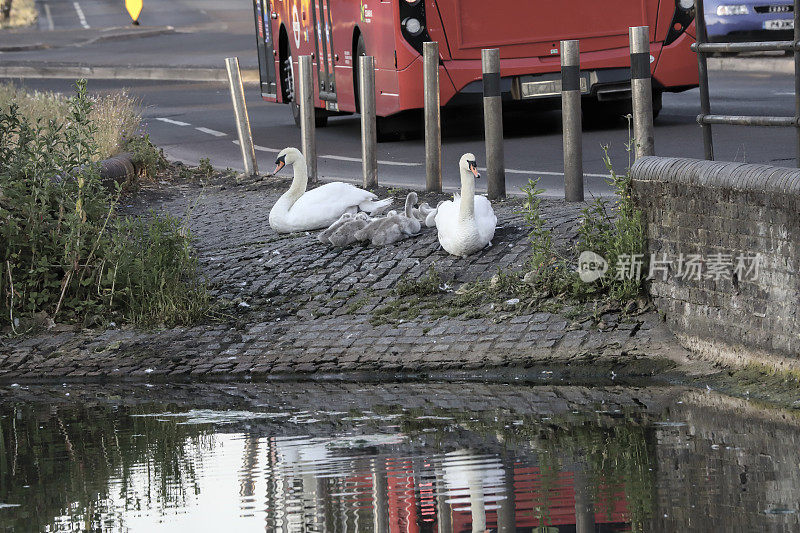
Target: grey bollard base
{"type": "Point", "coordinates": [571, 120]}
{"type": "Point", "coordinates": [433, 132]}
{"type": "Point", "coordinates": [642, 91]}
{"type": "Point", "coordinates": [308, 134]}
{"type": "Point", "coordinates": [493, 124]}
{"type": "Point", "coordinates": [369, 132]}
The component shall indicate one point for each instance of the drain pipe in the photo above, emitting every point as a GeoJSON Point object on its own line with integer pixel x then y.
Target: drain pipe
{"type": "Point", "coordinates": [119, 168]}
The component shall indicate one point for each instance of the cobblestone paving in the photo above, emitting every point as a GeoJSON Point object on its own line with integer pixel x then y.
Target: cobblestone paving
{"type": "Point", "coordinates": [304, 307]}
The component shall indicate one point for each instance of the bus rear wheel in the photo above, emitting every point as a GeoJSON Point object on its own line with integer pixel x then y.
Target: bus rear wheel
{"type": "Point", "coordinates": [287, 84]}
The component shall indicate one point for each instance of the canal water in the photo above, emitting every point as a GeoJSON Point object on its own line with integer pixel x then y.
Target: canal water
{"type": "Point", "coordinates": [393, 457]}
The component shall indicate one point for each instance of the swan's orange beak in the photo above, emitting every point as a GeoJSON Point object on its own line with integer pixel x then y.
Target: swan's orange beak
{"type": "Point", "coordinates": [473, 167]}
{"type": "Point", "coordinates": [279, 164]}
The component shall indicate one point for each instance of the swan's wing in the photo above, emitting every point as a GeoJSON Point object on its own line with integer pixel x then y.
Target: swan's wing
{"type": "Point", "coordinates": [485, 218]}
{"type": "Point", "coordinates": [328, 202]}
{"type": "Point", "coordinates": [447, 212]}
{"type": "Point", "coordinates": [483, 208]}
{"type": "Point", "coordinates": [447, 219]}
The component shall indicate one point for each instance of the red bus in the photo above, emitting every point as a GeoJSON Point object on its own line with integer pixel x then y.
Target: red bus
{"type": "Point", "coordinates": [527, 32]}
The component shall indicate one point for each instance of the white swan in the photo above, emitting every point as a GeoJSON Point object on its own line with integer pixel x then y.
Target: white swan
{"type": "Point", "coordinates": [466, 223]}
{"type": "Point", "coordinates": [301, 210]}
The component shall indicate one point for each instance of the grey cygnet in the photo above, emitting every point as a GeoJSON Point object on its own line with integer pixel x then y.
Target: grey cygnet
{"type": "Point", "coordinates": [345, 234]}
{"type": "Point", "coordinates": [393, 227]}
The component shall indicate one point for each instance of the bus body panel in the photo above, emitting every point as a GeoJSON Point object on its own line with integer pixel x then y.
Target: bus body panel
{"type": "Point", "coordinates": [671, 71]}
{"type": "Point", "coordinates": [455, 75]}
{"type": "Point", "coordinates": [525, 28]}
{"type": "Point", "coordinates": [399, 76]}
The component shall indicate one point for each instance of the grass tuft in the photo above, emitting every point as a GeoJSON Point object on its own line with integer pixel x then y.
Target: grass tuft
{"type": "Point", "coordinates": [23, 13]}
{"type": "Point", "coordinates": [116, 117]}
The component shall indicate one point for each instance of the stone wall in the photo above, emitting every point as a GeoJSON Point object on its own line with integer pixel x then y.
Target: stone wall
{"type": "Point", "coordinates": [725, 212]}
{"type": "Point", "coordinates": [722, 466]}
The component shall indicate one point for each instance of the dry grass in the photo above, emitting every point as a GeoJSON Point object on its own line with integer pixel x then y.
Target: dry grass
{"type": "Point", "coordinates": [23, 13]}
{"type": "Point", "coordinates": [116, 115]}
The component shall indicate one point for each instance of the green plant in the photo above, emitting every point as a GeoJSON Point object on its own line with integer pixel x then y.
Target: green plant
{"type": "Point", "coordinates": [152, 278]}
{"type": "Point", "coordinates": [613, 229]}
{"type": "Point", "coordinates": [204, 169]}
{"type": "Point", "coordinates": [548, 269]}
{"type": "Point", "coordinates": [616, 231]}
{"type": "Point", "coordinates": [61, 244]}
{"type": "Point", "coordinates": [55, 213]}
{"type": "Point", "coordinates": [429, 285]}
{"type": "Point", "coordinates": [148, 158]}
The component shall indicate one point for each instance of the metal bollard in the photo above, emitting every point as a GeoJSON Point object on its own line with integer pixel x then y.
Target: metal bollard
{"type": "Point", "coordinates": [702, 70]}
{"type": "Point", "coordinates": [369, 132]}
{"type": "Point", "coordinates": [433, 119]}
{"type": "Point", "coordinates": [305, 91]}
{"type": "Point", "coordinates": [571, 120]}
{"type": "Point", "coordinates": [641, 91]}
{"type": "Point", "coordinates": [493, 124]}
{"type": "Point", "coordinates": [242, 120]}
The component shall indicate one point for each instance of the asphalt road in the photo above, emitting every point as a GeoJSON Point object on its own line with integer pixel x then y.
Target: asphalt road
{"type": "Point", "coordinates": [195, 120]}
{"type": "Point", "coordinates": [72, 14]}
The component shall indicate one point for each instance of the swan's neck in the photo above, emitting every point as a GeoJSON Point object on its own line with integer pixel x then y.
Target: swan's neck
{"type": "Point", "coordinates": [299, 183]}
{"type": "Point", "coordinates": [467, 210]}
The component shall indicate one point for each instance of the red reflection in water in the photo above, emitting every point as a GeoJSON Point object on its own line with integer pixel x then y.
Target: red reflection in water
{"type": "Point", "coordinates": [410, 501]}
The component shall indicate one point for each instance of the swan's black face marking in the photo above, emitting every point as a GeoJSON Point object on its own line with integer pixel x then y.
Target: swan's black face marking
{"type": "Point", "coordinates": [473, 167]}
{"type": "Point", "coordinates": [280, 163]}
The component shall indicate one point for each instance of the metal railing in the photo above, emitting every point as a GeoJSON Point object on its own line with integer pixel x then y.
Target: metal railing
{"type": "Point", "coordinates": [703, 47]}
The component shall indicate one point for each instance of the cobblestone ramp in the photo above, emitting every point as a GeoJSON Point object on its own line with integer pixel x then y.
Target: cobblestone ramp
{"type": "Point", "coordinates": [302, 307]}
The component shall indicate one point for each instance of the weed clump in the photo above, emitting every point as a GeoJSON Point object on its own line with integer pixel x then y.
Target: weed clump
{"type": "Point", "coordinates": [429, 285]}
{"type": "Point", "coordinates": [616, 231]}
{"type": "Point", "coordinates": [145, 156]}
{"type": "Point", "coordinates": [64, 252]}
{"type": "Point", "coordinates": [613, 229]}
{"type": "Point", "coordinates": [154, 277]}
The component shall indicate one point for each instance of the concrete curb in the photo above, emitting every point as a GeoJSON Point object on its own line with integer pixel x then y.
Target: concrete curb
{"type": "Point", "coordinates": [125, 73]}
{"type": "Point", "coordinates": [125, 33]}
{"type": "Point", "coordinates": [24, 47]}
{"type": "Point", "coordinates": [752, 64]}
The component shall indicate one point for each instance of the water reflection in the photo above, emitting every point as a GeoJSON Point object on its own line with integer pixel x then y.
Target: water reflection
{"type": "Point", "coordinates": [347, 458]}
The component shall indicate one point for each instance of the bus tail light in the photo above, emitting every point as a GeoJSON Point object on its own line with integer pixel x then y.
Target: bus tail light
{"type": "Point", "coordinates": [412, 22]}
{"type": "Point", "coordinates": [683, 17]}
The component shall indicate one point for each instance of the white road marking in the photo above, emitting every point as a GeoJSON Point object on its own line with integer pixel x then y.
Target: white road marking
{"type": "Point", "coordinates": [175, 122]}
{"type": "Point", "coordinates": [81, 16]}
{"type": "Point", "coordinates": [215, 133]}
{"type": "Point", "coordinates": [50, 25]}
{"type": "Point", "coordinates": [261, 148]}
{"type": "Point", "coordinates": [380, 162]}
{"type": "Point", "coordinates": [784, 93]}
{"type": "Point", "coordinates": [544, 172]}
